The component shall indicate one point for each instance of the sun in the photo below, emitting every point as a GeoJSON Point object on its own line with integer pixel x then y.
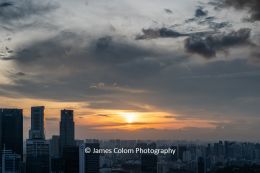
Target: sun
{"type": "Point", "coordinates": [129, 117]}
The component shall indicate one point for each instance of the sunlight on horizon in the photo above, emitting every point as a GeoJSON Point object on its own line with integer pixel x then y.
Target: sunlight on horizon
{"type": "Point", "coordinates": [130, 117]}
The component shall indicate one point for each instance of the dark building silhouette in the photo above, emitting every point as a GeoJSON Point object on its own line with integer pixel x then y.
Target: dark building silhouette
{"type": "Point", "coordinates": [37, 123]}
{"type": "Point", "coordinates": [10, 162]}
{"type": "Point", "coordinates": [67, 132]}
{"type": "Point", "coordinates": [180, 150]}
{"type": "Point", "coordinates": [55, 146]}
{"type": "Point", "coordinates": [90, 161]}
{"type": "Point", "coordinates": [37, 148]}
{"type": "Point", "coordinates": [201, 165]}
{"type": "Point", "coordinates": [57, 165]}
{"type": "Point", "coordinates": [208, 157]}
{"type": "Point", "coordinates": [37, 156]}
{"type": "Point", "coordinates": [218, 149]}
{"type": "Point", "coordinates": [71, 159]}
{"type": "Point", "coordinates": [119, 171]}
{"type": "Point", "coordinates": [149, 161]}
{"type": "Point", "coordinates": [11, 130]}
{"type": "Point", "coordinates": [174, 157]}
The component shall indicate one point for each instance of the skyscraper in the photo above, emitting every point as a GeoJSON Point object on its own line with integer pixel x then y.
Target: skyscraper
{"type": "Point", "coordinates": [71, 159]}
{"type": "Point", "coordinates": [89, 162]}
{"type": "Point", "coordinates": [66, 129]}
{"type": "Point", "coordinates": [11, 130]}
{"type": "Point", "coordinates": [37, 156]}
{"type": "Point", "coordinates": [37, 123]}
{"type": "Point", "coordinates": [11, 139]}
{"type": "Point", "coordinates": [54, 146]}
{"type": "Point", "coordinates": [149, 161]}
{"type": "Point", "coordinates": [10, 162]}
{"type": "Point", "coordinates": [37, 148]}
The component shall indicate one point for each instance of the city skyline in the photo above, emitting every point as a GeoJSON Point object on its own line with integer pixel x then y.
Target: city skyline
{"type": "Point", "coordinates": [71, 131]}
{"type": "Point", "coordinates": [131, 69]}
{"type": "Point", "coordinates": [65, 154]}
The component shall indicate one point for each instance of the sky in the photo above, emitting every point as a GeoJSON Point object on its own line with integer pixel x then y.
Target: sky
{"type": "Point", "coordinates": [135, 69]}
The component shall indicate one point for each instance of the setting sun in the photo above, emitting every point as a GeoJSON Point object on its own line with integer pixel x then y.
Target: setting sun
{"type": "Point", "coordinates": [129, 117]}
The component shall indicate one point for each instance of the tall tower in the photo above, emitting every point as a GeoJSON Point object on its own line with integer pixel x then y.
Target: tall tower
{"type": "Point", "coordinates": [149, 161]}
{"type": "Point", "coordinates": [89, 162]}
{"type": "Point", "coordinates": [37, 123]}
{"type": "Point", "coordinates": [11, 139]}
{"type": "Point", "coordinates": [37, 148]}
{"type": "Point", "coordinates": [92, 160]}
{"type": "Point", "coordinates": [67, 137]}
{"type": "Point", "coordinates": [11, 130]}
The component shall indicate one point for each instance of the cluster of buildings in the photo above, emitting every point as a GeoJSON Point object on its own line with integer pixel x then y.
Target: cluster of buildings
{"type": "Point", "coordinates": [190, 157]}
{"type": "Point", "coordinates": [63, 154]}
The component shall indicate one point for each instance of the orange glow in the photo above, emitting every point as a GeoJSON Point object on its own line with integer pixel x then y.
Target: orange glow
{"type": "Point", "coordinates": [130, 117]}
{"type": "Point", "coordinates": [110, 119]}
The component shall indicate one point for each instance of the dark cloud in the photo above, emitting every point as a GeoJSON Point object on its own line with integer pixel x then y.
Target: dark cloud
{"type": "Point", "coordinates": [103, 43]}
{"type": "Point", "coordinates": [200, 12]}
{"type": "Point", "coordinates": [169, 117]}
{"type": "Point", "coordinates": [253, 6]}
{"type": "Point", "coordinates": [20, 74]}
{"type": "Point", "coordinates": [24, 8]}
{"type": "Point", "coordinates": [8, 50]}
{"type": "Point", "coordinates": [217, 26]}
{"type": "Point", "coordinates": [5, 4]}
{"type": "Point", "coordinates": [210, 21]}
{"type": "Point", "coordinates": [103, 115]}
{"type": "Point", "coordinates": [167, 33]}
{"type": "Point", "coordinates": [194, 19]}
{"type": "Point", "coordinates": [209, 45]}
{"type": "Point", "coordinates": [70, 58]}
{"type": "Point", "coordinates": [210, 18]}
{"type": "Point", "coordinates": [115, 52]}
{"type": "Point", "coordinates": [8, 58]}
{"type": "Point", "coordinates": [159, 33]}
{"type": "Point", "coordinates": [168, 11]}
{"type": "Point", "coordinates": [202, 19]}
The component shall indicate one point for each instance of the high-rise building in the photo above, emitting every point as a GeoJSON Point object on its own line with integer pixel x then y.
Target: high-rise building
{"type": "Point", "coordinates": [37, 156]}
{"type": "Point", "coordinates": [71, 159]}
{"type": "Point", "coordinates": [201, 165]}
{"type": "Point", "coordinates": [67, 137]}
{"type": "Point", "coordinates": [57, 165]}
{"type": "Point", "coordinates": [180, 150]}
{"type": "Point", "coordinates": [149, 161]}
{"type": "Point", "coordinates": [37, 123]}
{"type": "Point", "coordinates": [37, 148]}
{"type": "Point", "coordinates": [11, 130]}
{"type": "Point", "coordinates": [89, 162]}
{"type": "Point", "coordinates": [10, 162]}
{"type": "Point", "coordinates": [55, 146]}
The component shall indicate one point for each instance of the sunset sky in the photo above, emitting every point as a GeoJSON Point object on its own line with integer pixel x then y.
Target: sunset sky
{"type": "Point", "coordinates": [135, 69]}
